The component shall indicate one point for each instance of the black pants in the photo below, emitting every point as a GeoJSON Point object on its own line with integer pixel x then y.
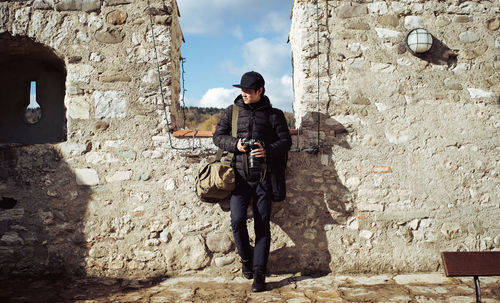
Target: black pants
{"type": "Point", "coordinates": [240, 199]}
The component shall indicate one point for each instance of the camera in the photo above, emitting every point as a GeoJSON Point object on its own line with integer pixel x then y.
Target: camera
{"type": "Point", "coordinates": [252, 144]}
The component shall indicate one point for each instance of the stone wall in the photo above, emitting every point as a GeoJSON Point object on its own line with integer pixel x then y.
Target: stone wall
{"type": "Point", "coordinates": [82, 204]}
{"type": "Point", "coordinates": [408, 164]}
{"type": "Point", "coordinates": [414, 139]}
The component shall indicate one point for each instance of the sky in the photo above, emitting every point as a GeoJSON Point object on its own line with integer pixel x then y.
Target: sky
{"type": "Point", "coordinates": [226, 38]}
{"type": "Point", "coordinates": [33, 103]}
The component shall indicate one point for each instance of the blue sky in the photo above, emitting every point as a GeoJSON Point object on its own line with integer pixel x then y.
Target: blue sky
{"type": "Point", "coordinates": [225, 38]}
{"type": "Point", "coordinates": [33, 102]}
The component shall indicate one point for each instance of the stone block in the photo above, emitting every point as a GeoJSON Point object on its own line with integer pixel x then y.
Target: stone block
{"type": "Point", "coordinates": [116, 17]}
{"type": "Point", "coordinates": [144, 256]}
{"type": "Point", "coordinates": [79, 5]}
{"type": "Point", "coordinates": [79, 73]}
{"type": "Point", "coordinates": [110, 104]}
{"type": "Point", "coordinates": [468, 37]}
{"type": "Point", "coordinates": [357, 25]}
{"type": "Point", "coordinates": [96, 57]}
{"type": "Point", "coordinates": [365, 234]}
{"type": "Point", "coordinates": [219, 242]}
{"type": "Point", "coordinates": [399, 138]}
{"type": "Point", "coordinates": [452, 84]}
{"type": "Point", "coordinates": [442, 21]}
{"type": "Point", "coordinates": [476, 93]}
{"type": "Point", "coordinates": [12, 238]}
{"type": "Point", "coordinates": [74, 90]}
{"type": "Point", "coordinates": [387, 33]}
{"type": "Point", "coordinates": [189, 253]}
{"type": "Point", "coordinates": [401, 216]}
{"type": "Point", "coordinates": [110, 36]}
{"type": "Point", "coordinates": [379, 7]}
{"type": "Point", "coordinates": [223, 261]}
{"type": "Point", "coordinates": [4, 16]}
{"type": "Point", "coordinates": [77, 108]}
{"type": "Point", "coordinates": [462, 19]}
{"type": "Point", "coordinates": [119, 176]}
{"type": "Point", "coordinates": [352, 10]}
{"type": "Point", "coordinates": [86, 176]}
{"type": "Point", "coordinates": [422, 278]}
{"type": "Point", "coordinates": [472, 53]}
{"type": "Point", "coordinates": [21, 21]}
{"type": "Point", "coordinates": [360, 100]}
{"type": "Point", "coordinates": [115, 78]}
{"type": "Point", "coordinates": [389, 20]}
{"type": "Point", "coordinates": [12, 214]}
{"type": "Point", "coordinates": [43, 4]}
{"type": "Point", "coordinates": [72, 148]}
{"type": "Point", "coordinates": [412, 22]}
{"type": "Point", "coordinates": [491, 24]}
{"type": "Point", "coordinates": [126, 154]}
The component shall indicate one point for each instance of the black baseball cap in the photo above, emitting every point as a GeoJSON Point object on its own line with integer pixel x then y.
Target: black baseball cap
{"type": "Point", "coordinates": [252, 80]}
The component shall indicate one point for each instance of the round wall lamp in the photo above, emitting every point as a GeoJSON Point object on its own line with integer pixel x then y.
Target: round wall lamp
{"type": "Point", "coordinates": [418, 41]}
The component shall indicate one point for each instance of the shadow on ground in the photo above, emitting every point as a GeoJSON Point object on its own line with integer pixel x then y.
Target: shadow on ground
{"type": "Point", "coordinates": [43, 249]}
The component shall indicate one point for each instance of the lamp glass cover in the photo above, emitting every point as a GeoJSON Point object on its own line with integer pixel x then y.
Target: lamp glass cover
{"type": "Point", "coordinates": [419, 40]}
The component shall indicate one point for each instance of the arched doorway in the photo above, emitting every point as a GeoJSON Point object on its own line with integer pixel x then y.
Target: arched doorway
{"type": "Point", "coordinates": [30, 68]}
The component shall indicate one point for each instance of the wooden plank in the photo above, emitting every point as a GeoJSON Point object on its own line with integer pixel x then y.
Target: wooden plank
{"type": "Point", "coordinates": [188, 133]}
{"type": "Point", "coordinates": [473, 263]}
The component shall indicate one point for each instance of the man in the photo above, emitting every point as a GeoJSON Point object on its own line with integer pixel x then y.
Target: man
{"type": "Point", "coordinates": [262, 138]}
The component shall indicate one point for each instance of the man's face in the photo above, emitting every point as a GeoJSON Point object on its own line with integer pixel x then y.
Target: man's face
{"type": "Point", "coordinates": [251, 95]}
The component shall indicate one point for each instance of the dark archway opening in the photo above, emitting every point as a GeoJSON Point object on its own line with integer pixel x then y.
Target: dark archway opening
{"type": "Point", "coordinates": [22, 63]}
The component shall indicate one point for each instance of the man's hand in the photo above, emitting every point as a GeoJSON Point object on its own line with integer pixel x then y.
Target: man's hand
{"type": "Point", "coordinates": [259, 152]}
{"type": "Point", "coordinates": [240, 147]}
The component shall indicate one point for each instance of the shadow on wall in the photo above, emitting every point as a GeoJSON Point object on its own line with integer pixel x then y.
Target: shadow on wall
{"type": "Point", "coordinates": [316, 201]}
{"type": "Point", "coordinates": [43, 249]}
{"type": "Point", "coordinates": [439, 54]}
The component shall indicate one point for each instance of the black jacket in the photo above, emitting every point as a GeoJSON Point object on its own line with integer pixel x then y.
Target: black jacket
{"type": "Point", "coordinates": [255, 121]}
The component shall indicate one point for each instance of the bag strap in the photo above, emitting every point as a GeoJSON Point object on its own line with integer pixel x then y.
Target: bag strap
{"type": "Point", "coordinates": [234, 131]}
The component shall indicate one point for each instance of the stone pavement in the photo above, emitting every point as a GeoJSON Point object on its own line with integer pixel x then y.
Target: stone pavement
{"type": "Point", "coordinates": [432, 287]}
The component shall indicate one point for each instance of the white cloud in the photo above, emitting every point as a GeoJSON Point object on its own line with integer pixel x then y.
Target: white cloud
{"type": "Point", "coordinates": [219, 97]}
{"type": "Point", "coordinates": [237, 32]}
{"type": "Point", "coordinates": [208, 16]}
{"type": "Point", "coordinates": [280, 92]}
{"type": "Point", "coordinates": [262, 55]}
{"type": "Point", "coordinates": [274, 22]}
{"type": "Point", "coordinates": [267, 56]}
{"type": "Point", "coordinates": [214, 16]}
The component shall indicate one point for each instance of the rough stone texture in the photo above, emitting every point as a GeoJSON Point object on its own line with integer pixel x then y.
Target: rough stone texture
{"type": "Point", "coordinates": [352, 10]}
{"type": "Point", "coordinates": [413, 139]}
{"type": "Point", "coordinates": [4, 16]}
{"type": "Point", "coordinates": [210, 287]}
{"type": "Point", "coordinates": [220, 243]}
{"type": "Point", "coordinates": [86, 176]}
{"type": "Point", "coordinates": [79, 5]}
{"type": "Point", "coordinates": [98, 194]}
{"type": "Point", "coordinates": [407, 165]}
{"type": "Point", "coordinates": [110, 104]}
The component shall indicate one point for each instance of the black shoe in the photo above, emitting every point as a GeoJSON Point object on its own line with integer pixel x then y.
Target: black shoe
{"type": "Point", "coordinates": [259, 282]}
{"type": "Point", "coordinates": [246, 269]}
